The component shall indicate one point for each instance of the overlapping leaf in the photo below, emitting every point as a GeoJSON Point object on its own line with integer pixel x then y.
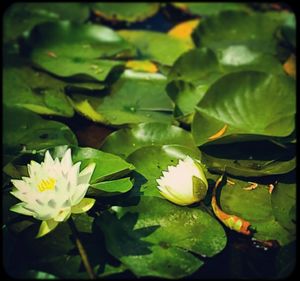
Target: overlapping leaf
{"type": "Point", "coordinates": [156, 46]}
{"type": "Point", "coordinates": [125, 141]}
{"type": "Point", "coordinates": [25, 131]}
{"type": "Point", "coordinates": [160, 239]}
{"type": "Point", "coordinates": [68, 49]}
{"type": "Point", "coordinates": [134, 98]}
{"type": "Point", "coordinates": [257, 206]}
{"type": "Point", "coordinates": [255, 103]}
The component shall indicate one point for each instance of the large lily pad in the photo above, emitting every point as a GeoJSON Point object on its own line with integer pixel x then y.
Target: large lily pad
{"type": "Point", "coordinates": [156, 46]}
{"type": "Point", "coordinates": [194, 71]}
{"type": "Point", "coordinates": [150, 161]}
{"type": "Point", "coordinates": [255, 103]}
{"type": "Point", "coordinates": [249, 159]}
{"type": "Point", "coordinates": [130, 12]}
{"type": "Point", "coordinates": [231, 28]}
{"type": "Point", "coordinates": [21, 17]}
{"type": "Point", "coordinates": [67, 48]}
{"type": "Point", "coordinates": [256, 207]}
{"type": "Point", "coordinates": [24, 131]}
{"type": "Point", "coordinates": [125, 141]}
{"type": "Point", "coordinates": [134, 98]}
{"type": "Point", "coordinates": [161, 239]}
{"type": "Point", "coordinates": [37, 91]}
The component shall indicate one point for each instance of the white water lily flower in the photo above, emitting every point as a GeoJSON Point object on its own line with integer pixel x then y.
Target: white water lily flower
{"type": "Point", "coordinates": [184, 183]}
{"type": "Point", "coordinates": [53, 190]}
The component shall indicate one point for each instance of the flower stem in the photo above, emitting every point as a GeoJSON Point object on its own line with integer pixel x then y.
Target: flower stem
{"type": "Point", "coordinates": [81, 250]}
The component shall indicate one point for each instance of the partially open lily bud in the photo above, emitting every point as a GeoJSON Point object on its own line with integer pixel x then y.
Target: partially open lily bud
{"type": "Point", "coordinates": [183, 184]}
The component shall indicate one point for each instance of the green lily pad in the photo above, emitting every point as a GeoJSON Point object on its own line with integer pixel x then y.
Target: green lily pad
{"type": "Point", "coordinates": [108, 188]}
{"type": "Point", "coordinates": [108, 166]}
{"type": "Point", "coordinates": [194, 71]}
{"type": "Point", "coordinates": [37, 91]}
{"type": "Point", "coordinates": [130, 12]}
{"type": "Point", "coordinates": [156, 46]}
{"type": "Point", "coordinates": [255, 103]}
{"type": "Point", "coordinates": [134, 98]}
{"type": "Point", "coordinates": [22, 17]}
{"type": "Point", "coordinates": [158, 243]}
{"type": "Point", "coordinates": [77, 68]}
{"type": "Point", "coordinates": [74, 40]}
{"type": "Point", "coordinates": [229, 28]}
{"type": "Point", "coordinates": [66, 48]}
{"type": "Point", "coordinates": [24, 131]}
{"type": "Point", "coordinates": [249, 159]}
{"type": "Point", "coordinates": [125, 141]}
{"type": "Point", "coordinates": [150, 161]}
{"type": "Point", "coordinates": [283, 202]}
{"type": "Point", "coordinates": [207, 9]}
{"type": "Point", "coordinates": [256, 207]}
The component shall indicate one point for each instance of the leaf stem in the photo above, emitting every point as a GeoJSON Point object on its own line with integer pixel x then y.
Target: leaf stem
{"type": "Point", "coordinates": [81, 249]}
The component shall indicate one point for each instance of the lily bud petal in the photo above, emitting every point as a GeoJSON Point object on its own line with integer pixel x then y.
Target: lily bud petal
{"type": "Point", "coordinates": [183, 184]}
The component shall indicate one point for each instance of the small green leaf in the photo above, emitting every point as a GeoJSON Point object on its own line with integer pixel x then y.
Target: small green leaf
{"type": "Point", "coordinates": [84, 205]}
{"type": "Point", "coordinates": [46, 227]}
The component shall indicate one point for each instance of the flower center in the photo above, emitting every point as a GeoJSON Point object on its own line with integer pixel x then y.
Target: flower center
{"type": "Point", "coordinates": [48, 184]}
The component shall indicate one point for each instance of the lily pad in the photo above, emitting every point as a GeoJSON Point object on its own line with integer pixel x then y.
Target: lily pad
{"type": "Point", "coordinates": [37, 91]}
{"type": "Point", "coordinates": [256, 207]}
{"type": "Point", "coordinates": [161, 239]}
{"type": "Point", "coordinates": [77, 68]}
{"type": "Point", "coordinates": [249, 159]}
{"type": "Point", "coordinates": [134, 98]}
{"type": "Point", "coordinates": [130, 12]}
{"type": "Point", "coordinates": [207, 9]}
{"type": "Point", "coordinates": [194, 71]}
{"type": "Point", "coordinates": [66, 48]}
{"type": "Point", "coordinates": [231, 28]}
{"type": "Point", "coordinates": [150, 161]}
{"type": "Point", "coordinates": [283, 202]}
{"type": "Point", "coordinates": [22, 17]}
{"type": "Point", "coordinates": [220, 115]}
{"type": "Point", "coordinates": [125, 141]}
{"type": "Point", "coordinates": [156, 46]}
{"type": "Point", "coordinates": [26, 132]}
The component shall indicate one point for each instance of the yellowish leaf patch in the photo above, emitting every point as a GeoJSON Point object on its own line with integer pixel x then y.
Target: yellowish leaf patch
{"type": "Point", "coordinates": [219, 133]}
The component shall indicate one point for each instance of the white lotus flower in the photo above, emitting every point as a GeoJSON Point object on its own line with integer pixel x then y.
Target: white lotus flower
{"type": "Point", "coordinates": [184, 183]}
{"type": "Point", "coordinates": [53, 190]}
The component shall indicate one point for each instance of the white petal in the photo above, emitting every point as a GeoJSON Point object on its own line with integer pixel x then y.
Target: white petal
{"type": "Point", "coordinates": [20, 195]}
{"type": "Point", "coordinates": [33, 168]}
{"type": "Point", "coordinates": [73, 175]}
{"type": "Point", "coordinates": [79, 193]}
{"type": "Point", "coordinates": [21, 185]}
{"type": "Point", "coordinates": [48, 159]}
{"type": "Point", "coordinates": [86, 174]}
{"type": "Point", "coordinates": [66, 161]}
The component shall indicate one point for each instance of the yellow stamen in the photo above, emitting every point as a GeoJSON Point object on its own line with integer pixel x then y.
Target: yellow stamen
{"type": "Point", "coordinates": [48, 184]}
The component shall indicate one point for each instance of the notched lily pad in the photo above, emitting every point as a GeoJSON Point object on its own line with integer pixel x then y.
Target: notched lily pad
{"type": "Point", "coordinates": [160, 239]}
